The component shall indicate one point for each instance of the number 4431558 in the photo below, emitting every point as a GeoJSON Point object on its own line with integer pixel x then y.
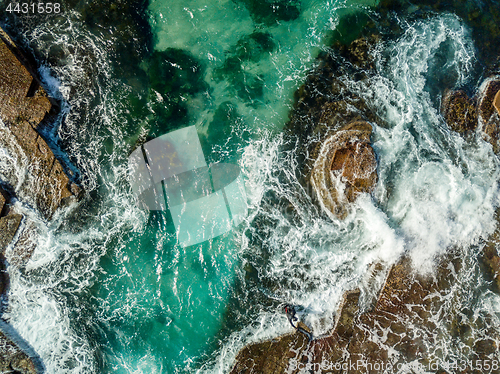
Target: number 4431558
{"type": "Point", "coordinates": [34, 8]}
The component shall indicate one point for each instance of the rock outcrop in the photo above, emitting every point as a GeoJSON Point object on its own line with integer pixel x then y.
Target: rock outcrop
{"type": "Point", "coordinates": [24, 109]}
{"type": "Point", "coordinates": [24, 106]}
{"type": "Point", "coordinates": [399, 333]}
{"type": "Point", "coordinates": [481, 113]}
{"type": "Point", "coordinates": [345, 167]}
{"type": "Point", "coordinates": [459, 111]}
{"type": "Point", "coordinates": [13, 359]}
{"type": "Point", "coordinates": [496, 102]}
{"type": "Point", "coordinates": [488, 116]}
{"type": "Point", "coordinates": [331, 127]}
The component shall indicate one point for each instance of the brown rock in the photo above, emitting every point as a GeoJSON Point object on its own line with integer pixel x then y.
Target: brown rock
{"type": "Point", "coordinates": [459, 111]}
{"type": "Point", "coordinates": [23, 107]}
{"type": "Point", "coordinates": [345, 167]}
{"type": "Point", "coordinates": [489, 119]}
{"type": "Point", "coordinates": [496, 102]}
{"type": "Point", "coordinates": [490, 256]}
{"type": "Point", "coordinates": [19, 254]}
{"type": "Point", "coordinates": [486, 98]}
{"type": "Point", "coordinates": [348, 311]}
{"type": "Point", "coordinates": [2, 203]}
{"type": "Point", "coordinates": [398, 330]}
{"type": "Point", "coordinates": [13, 359]}
{"type": "Point", "coordinates": [8, 229]}
{"type": "Point", "coordinates": [360, 53]}
{"type": "Point", "coordinates": [273, 356]}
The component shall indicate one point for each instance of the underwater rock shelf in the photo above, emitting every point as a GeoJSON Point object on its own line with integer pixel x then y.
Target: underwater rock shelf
{"type": "Point", "coordinates": [24, 108]}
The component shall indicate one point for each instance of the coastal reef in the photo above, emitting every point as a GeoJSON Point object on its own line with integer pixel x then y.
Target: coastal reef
{"type": "Point", "coordinates": [402, 327]}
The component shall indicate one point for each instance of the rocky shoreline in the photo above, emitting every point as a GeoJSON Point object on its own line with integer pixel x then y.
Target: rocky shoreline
{"type": "Point", "coordinates": [45, 187]}
{"type": "Point", "coordinates": [332, 128]}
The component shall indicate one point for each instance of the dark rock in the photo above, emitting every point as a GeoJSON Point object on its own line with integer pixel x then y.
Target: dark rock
{"type": "Point", "coordinates": [19, 253]}
{"type": "Point", "coordinates": [4, 282]}
{"type": "Point", "coordinates": [490, 256]}
{"type": "Point", "coordinates": [2, 203]}
{"type": "Point", "coordinates": [329, 129]}
{"type": "Point", "coordinates": [23, 107]}
{"type": "Point", "coordinates": [360, 53]}
{"type": "Point", "coordinates": [8, 229]}
{"type": "Point", "coordinates": [459, 111]}
{"type": "Point", "coordinates": [349, 309]}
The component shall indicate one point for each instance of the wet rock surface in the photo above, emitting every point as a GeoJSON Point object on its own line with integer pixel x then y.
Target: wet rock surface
{"type": "Point", "coordinates": [24, 110]}
{"type": "Point", "coordinates": [459, 111]}
{"type": "Point", "coordinates": [24, 106]}
{"type": "Point", "coordinates": [8, 227]}
{"type": "Point", "coordinates": [345, 158]}
{"type": "Point", "coordinates": [414, 310]}
{"type": "Point", "coordinates": [399, 332]}
{"type": "Point", "coordinates": [331, 127]}
{"type": "Point", "coordinates": [13, 359]}
{"type": "Point", "coordinates": [489, 118]}
{"type": "Point", "coordinates": [496, 102]}
{"type": "Point", "coordinates": [466, 115]}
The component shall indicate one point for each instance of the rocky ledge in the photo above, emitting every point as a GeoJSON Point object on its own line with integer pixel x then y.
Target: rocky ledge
{"type": "Point", "coordinates": [24, 110]}
{"type": "Point", "coordinates": [393, 336]}
{"type": "Point", "coordinates": [43, 184]}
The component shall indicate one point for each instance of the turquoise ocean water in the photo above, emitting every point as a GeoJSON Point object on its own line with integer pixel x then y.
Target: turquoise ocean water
{"type": "Point", "coordinates": [109, 290]}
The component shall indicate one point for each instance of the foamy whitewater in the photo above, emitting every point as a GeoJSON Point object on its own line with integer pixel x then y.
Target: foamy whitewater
{"type": "Point", "coordinates": [108, 290]}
